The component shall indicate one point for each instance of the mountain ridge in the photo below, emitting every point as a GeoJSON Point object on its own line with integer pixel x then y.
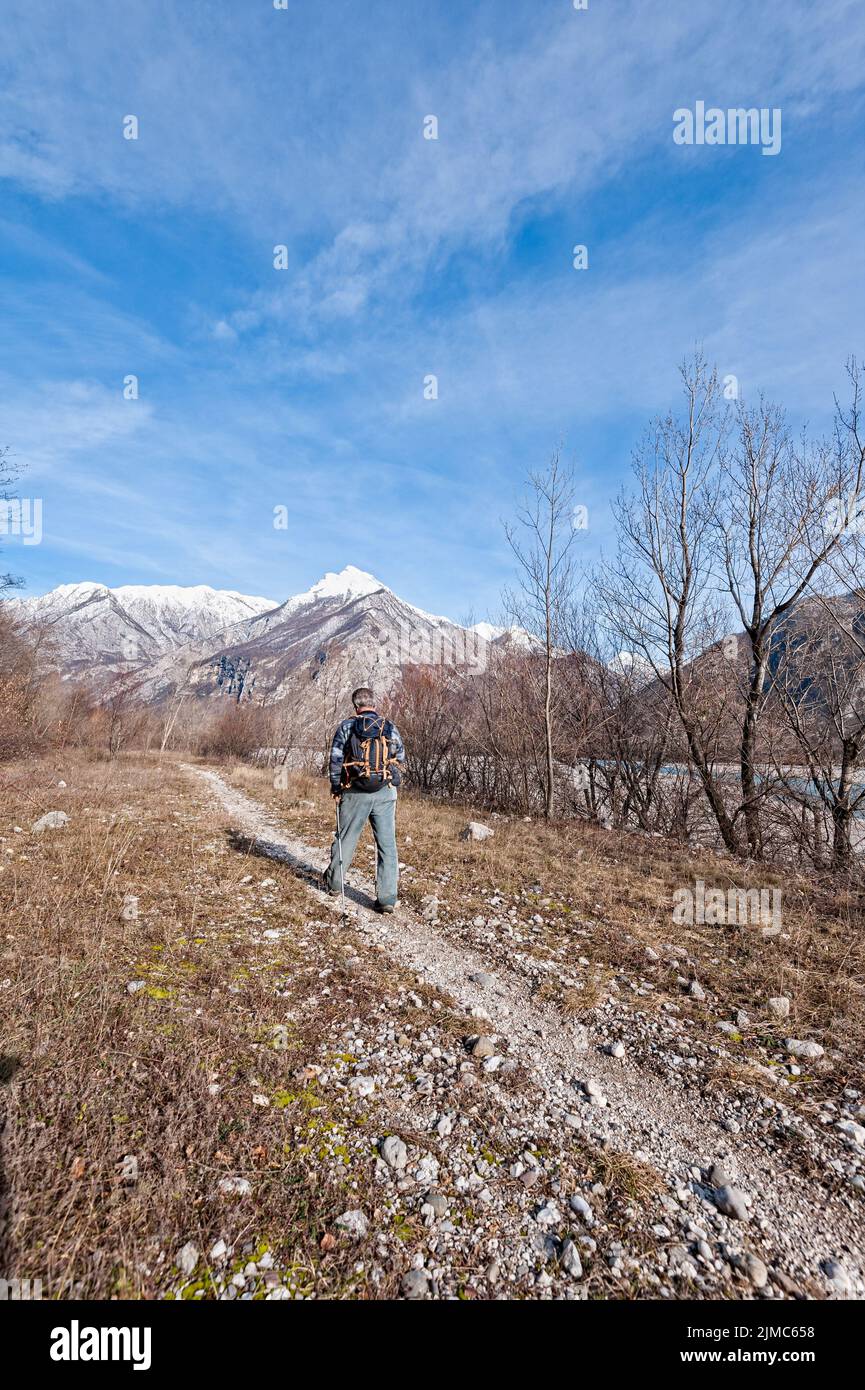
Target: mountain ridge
{"type": "Point", "coordinates": [347, 627]}
{"type": "Point", "coordinates": [92, 628]}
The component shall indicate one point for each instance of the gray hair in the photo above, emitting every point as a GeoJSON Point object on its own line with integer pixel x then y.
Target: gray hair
{"type": "Point", "coordinates": [362, 698]}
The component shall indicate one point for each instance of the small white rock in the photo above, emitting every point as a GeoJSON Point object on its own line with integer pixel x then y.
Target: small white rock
{"type": "Point", "coordinates": [853, 1131]}
{"type": "Point", "coordinates": [571, 1262]}
{"type": "Point", "coordinates": [394, 1152]}
{"type": "Point", "coordinates": [187, 1258]}
{"type": "Point", "coordinates": [362, 1085]}
{"type": "Point", "coordinates": [235, 1187]}
{"type": "Point", "coordinates": [52, 820]}
{"type": "Point", "coordinates": [549, 1215]}
{"type": "Point", "coordinates": [354, 1223]}
{"type": "Point", "coordinates": [731, 1201]}
{"type": "Point", "coordinates": [476, 831]}
{"type": "Point", "coordinates": [807, 1049]}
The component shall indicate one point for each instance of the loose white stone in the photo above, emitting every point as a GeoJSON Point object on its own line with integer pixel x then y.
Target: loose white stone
{"type": "Point", "coordinates": [235, 1187]}
{"type": "Point", "coordinates": [731, 1201]}
{"type": "Point", "coordinates": [476, 831]}
{"type": "Point", "coordinates": [853, 1131]}
{"type": "Point", "coordinates": [186, 1259]}
{"type": "Point", "coordinates": [809, 1050]}
{"type": "Point", "coordinates": [362, 1085]}
{"type": "Point", "coordinates": [394, 1152]}
{"type": "Point", "coordinates": [549, 1215]}
{"type": "Point", "coordinates": [582, 1208]}
{"type": "Point", "coordinates": [571, 1262]}
{"type": "Point", "coordinates": [354, 1223]}
{"type": "Point", "coordinates": [52, 820]}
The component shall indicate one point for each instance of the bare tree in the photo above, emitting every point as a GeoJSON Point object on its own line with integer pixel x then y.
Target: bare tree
{"type": "Point", "coordinates": [659, 594]}
{"type": "Point", "coordinates": [173, 707]}
{"type": "Point", "coordinates": [123, 715]}
{"type": "Point", "coordinates": [542, 544]}
{"type": "Point", "coordinates": [9, 472]}
{"type": "Point", "coordinates": [818, 670]}
{"type": "Point", "coordinates": [774, 543]}
{"type": "Point", "coordinates": [818, 654]}
{"type": "Point", "coordinates": [428, 704]}
{"type": "Point", "coordinates": [17, 689]}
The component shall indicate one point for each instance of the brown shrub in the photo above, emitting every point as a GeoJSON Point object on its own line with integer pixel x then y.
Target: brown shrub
{"type": "Point", "coordinates": [235, 731]}
{"type": "Point", "coordinates": [17, 690]}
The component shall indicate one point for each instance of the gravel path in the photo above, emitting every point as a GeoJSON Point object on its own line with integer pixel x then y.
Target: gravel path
{"type": "Point", "coordinates": [806, 1226]}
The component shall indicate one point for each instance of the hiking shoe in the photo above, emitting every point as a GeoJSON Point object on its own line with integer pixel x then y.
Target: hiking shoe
{"type": "Point", "coordinates": [384, 907]}
{"type": "Point", "coordinates": [322, 883]}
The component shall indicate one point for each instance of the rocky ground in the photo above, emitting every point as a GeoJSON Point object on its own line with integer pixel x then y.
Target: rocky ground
{"type": "Point", "coordinates": [527, 1083]}
{"type": "Point", "coordinates": [535, 1155]}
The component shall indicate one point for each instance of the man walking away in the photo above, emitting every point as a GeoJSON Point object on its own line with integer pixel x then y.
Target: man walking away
{"type": "Point", "coordinates": [366, 759]}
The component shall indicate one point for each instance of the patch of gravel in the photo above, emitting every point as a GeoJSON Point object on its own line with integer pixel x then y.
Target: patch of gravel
{"type": "Point", "coordinates": [794, 1217]}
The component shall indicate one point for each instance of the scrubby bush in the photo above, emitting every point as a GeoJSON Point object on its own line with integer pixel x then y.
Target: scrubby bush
{"type": "Point", "coordinates": [18, 689]}
{"type": "Point", "coordinates": [234, 731]}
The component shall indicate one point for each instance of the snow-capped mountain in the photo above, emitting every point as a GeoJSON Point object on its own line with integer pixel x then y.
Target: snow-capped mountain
{"type": "Point", "coordinates": [348, 629]}
{"type": "Point", "coordinates": [90, 628]}
{"type": "Point", "coordinates": [349, 583]}
{"type": "Point", "coordinates": [632, 665]}
{"type": "Point", "coordinates": [506, 636]}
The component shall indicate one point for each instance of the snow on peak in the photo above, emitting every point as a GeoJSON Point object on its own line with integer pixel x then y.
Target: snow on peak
{"type": "Point", "coordinates": [352, 583]}
{"type": "Point", "coordinates": [78, 590]}
{"type": "Point", "coordinates": [488, 631]}
{"type": "Point", "coordinates": [632, 664]}
{"type": "Point", "coordinates": [348, 584]}
{"type": "Point", "coordinates": [508, 635]}
{"type": "Point", "coordinates": [189, 596]}
{"type": "Point", "coordinates": [176, 595]}
{"type": "Point", "coordinates": [153, 618]}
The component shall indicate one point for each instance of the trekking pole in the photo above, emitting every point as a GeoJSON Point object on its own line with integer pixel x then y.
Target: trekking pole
{"type": "Point", "coordinates": [341, 875]}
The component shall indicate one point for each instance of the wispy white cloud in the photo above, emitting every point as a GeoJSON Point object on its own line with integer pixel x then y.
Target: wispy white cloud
{"type": "Point", "coordinates": [406, 257]}
{"type": "Point", "coordinates": [52, 423]}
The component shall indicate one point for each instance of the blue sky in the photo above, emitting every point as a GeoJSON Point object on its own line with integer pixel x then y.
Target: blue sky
{"type": "Point", "coordinates": [303, 387]}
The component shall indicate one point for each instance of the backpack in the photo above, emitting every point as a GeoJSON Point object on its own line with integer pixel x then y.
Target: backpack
{"type": "Point", "coordinates": [366, 764]}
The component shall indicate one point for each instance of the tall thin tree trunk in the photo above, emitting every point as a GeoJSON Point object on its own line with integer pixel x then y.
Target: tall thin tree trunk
{"type": "Point", "coordinates": [748, 755]}
{"type": "Point", "coordinates": [548, 724]}
{"type": "Point", "coordinates": [842, 814]}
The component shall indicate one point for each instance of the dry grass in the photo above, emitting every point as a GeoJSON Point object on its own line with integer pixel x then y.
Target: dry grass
{"type": "Point", "coordinates": [609, 896]}
{"type": "Point", "coordinates": [92, 1074]}
{"type": "Point", "coordinates": [626, 1176]}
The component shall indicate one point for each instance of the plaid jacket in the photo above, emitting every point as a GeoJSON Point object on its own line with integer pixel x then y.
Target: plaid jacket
{"type": "Point", "coordinates": [396, 749]}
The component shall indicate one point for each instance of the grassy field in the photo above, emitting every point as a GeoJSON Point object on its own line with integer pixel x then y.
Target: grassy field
{"type": "Point", "coordinates": [168, 1002]}
{"type": "Point", "coordinates": [123, 1112]}
{"type": "Point", "coordinates": [611, 896]}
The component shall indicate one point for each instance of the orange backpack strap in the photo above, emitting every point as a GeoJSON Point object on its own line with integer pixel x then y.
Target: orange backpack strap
{"type": "Point", "coordinates": [376, 758]}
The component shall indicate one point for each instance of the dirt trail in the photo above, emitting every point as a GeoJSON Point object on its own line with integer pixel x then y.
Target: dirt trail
{"type": "Point", "coordinates": [796, 1221]}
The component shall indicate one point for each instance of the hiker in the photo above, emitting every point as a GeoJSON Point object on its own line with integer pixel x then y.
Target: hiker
{"type": "Point", "coordinates": [365, 770]}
